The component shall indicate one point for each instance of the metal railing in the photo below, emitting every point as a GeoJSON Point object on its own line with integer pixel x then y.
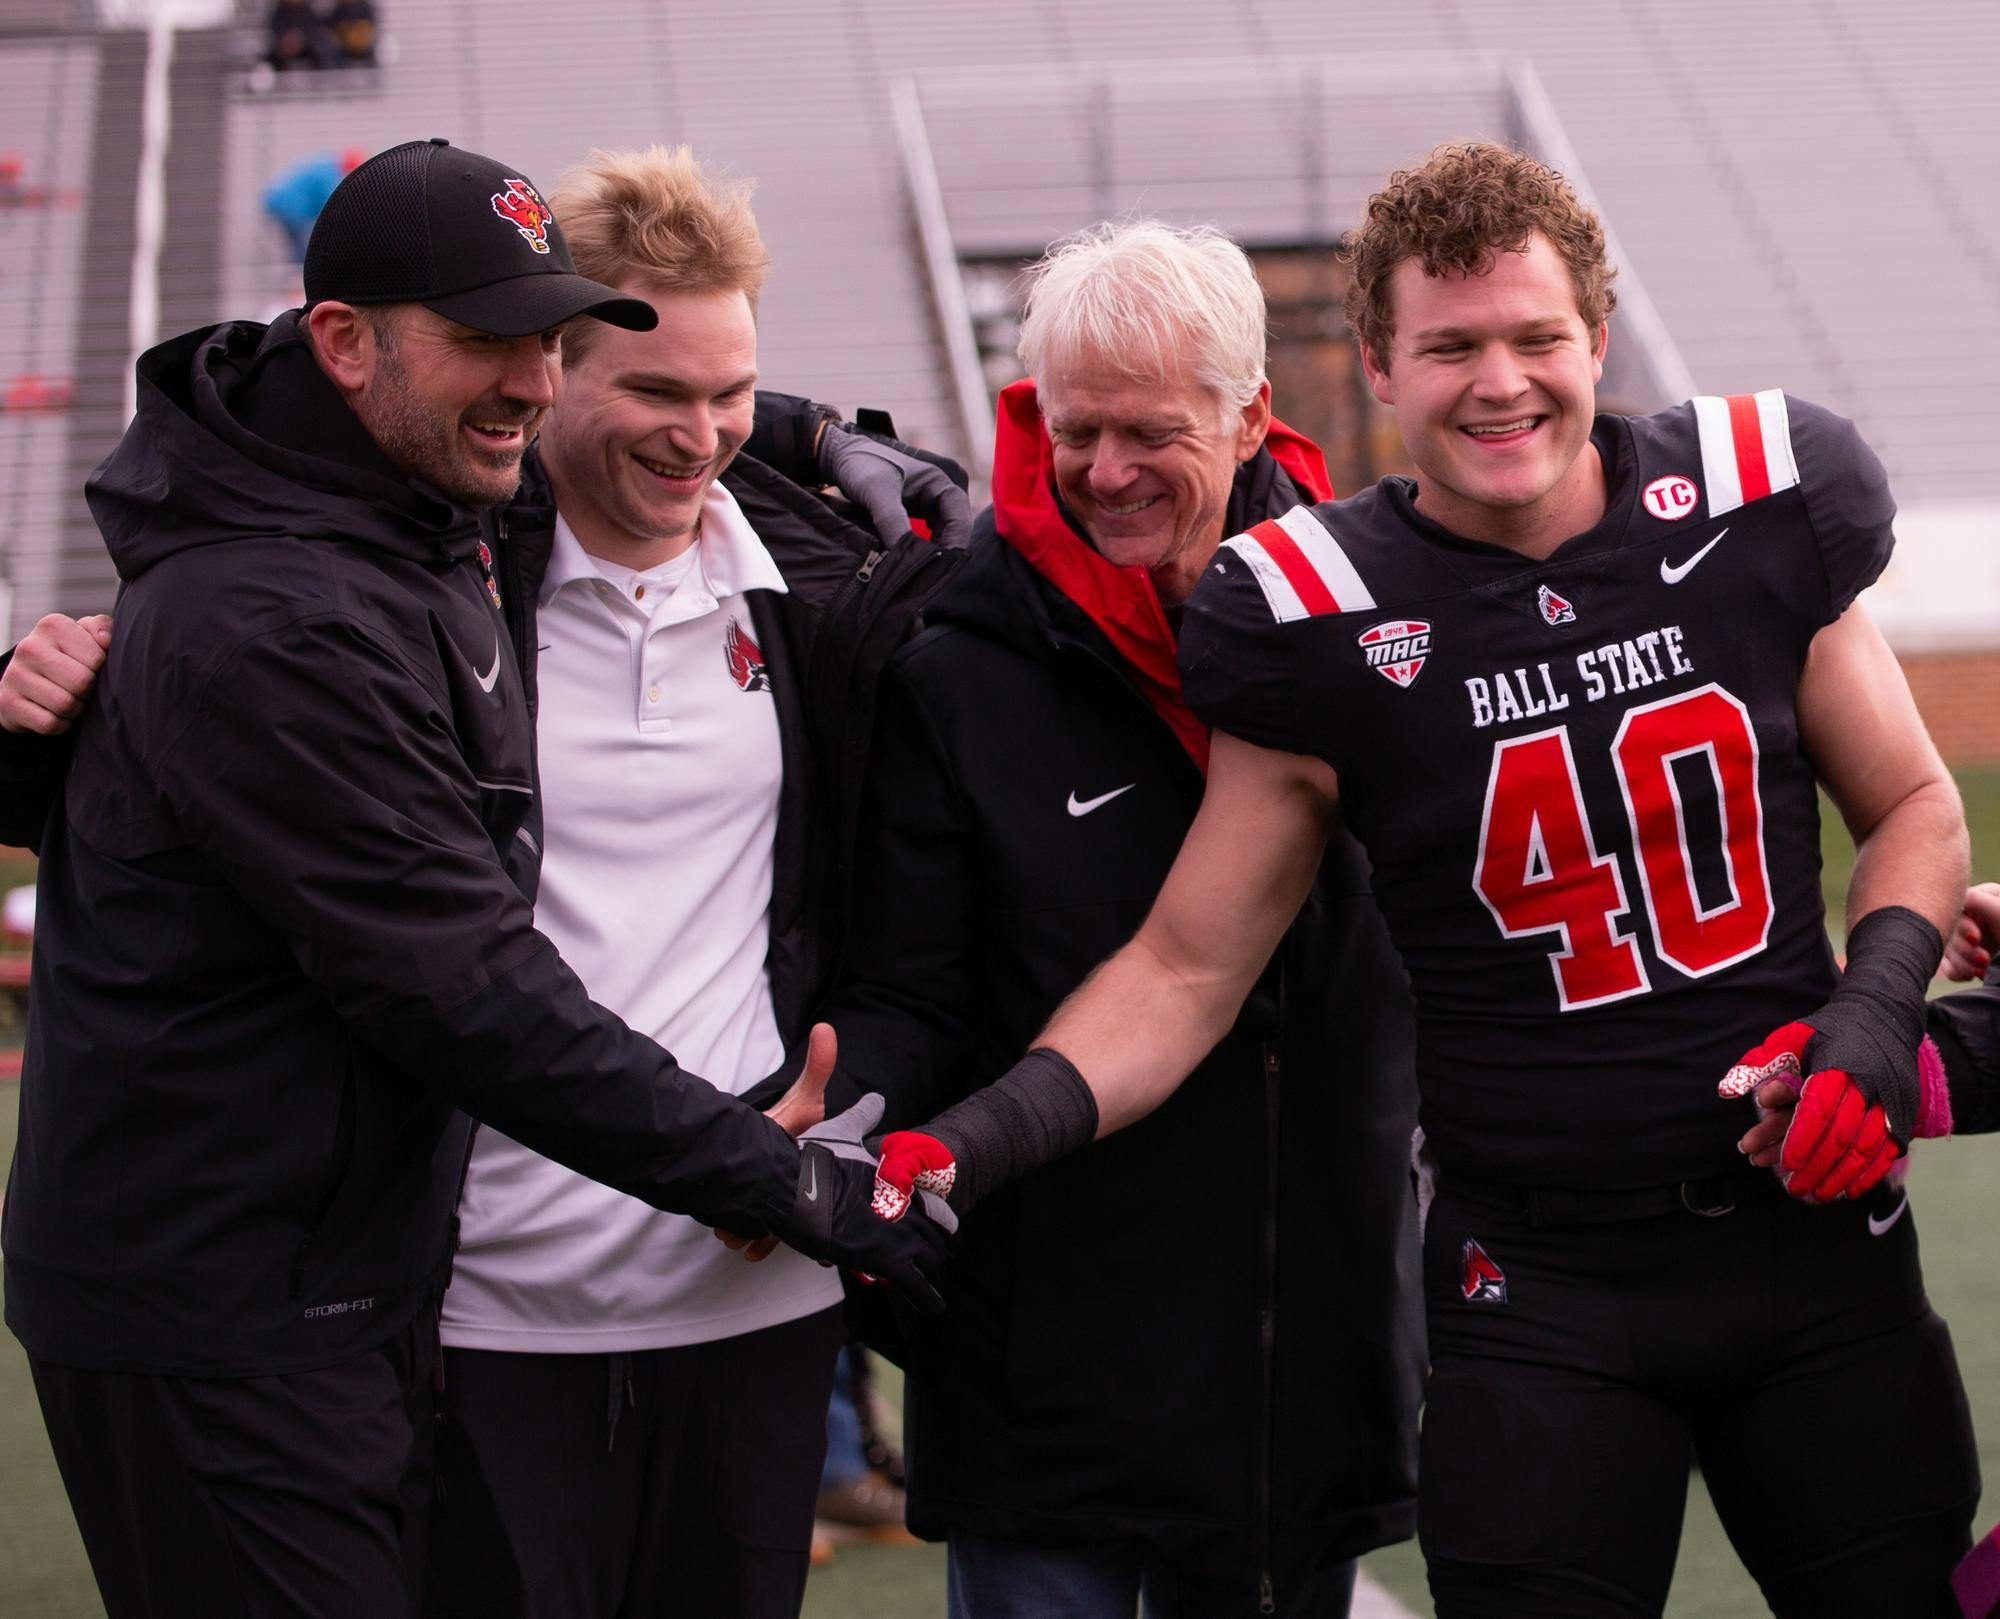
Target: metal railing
{"type": "Point", "coordinates": [1658, 356]}
{"type": "Point", "coordinates": [954, 316]}
{"type": "Point", "coordinates": [1288, 111]}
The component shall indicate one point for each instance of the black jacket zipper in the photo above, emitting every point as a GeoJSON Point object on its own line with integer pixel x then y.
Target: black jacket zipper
{"type": "Point", "coordinates": [1267, 1276]}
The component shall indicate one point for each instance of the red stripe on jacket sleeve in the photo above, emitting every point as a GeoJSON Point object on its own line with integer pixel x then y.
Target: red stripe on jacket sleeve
{"type": "Point", "coordinates": [1747, 428]}
{"type": "Point", "coordinates": [1300, 574]}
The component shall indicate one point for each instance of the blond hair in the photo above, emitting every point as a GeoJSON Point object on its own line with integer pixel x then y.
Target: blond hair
{"type": "Point", "coordinates": [1148, 297]}
{"type": "Point", "coordinates": [658, 217]}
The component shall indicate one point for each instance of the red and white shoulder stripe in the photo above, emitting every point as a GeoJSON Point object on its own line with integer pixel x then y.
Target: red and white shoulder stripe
{"type": "Point", "coordinates": [1301, 567]}
{"type": "Point", "coordinates": [1746, 448]}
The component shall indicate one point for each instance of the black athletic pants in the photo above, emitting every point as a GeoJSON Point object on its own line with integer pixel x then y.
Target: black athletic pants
{"type": "Point", "coordinates": [660, 1484]}
{"type": "Point", "coordinates": [1575, 1368]}
{"type": "Point", "coordinates": [302, 1496]}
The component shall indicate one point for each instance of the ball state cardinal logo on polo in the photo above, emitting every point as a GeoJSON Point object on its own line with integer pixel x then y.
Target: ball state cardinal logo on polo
{"type": "Point", "coordinates": [745, 659]}
{"type": "Point", "coordinates": [522, 207]}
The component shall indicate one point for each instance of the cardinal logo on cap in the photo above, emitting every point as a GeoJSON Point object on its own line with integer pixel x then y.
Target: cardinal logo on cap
{"type": "Point", "coordinates": [522, 207]}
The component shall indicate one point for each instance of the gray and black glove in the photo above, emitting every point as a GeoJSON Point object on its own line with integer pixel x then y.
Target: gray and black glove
{"type": "Point", "coordinates": [845, 1135]}
{"type": "Point", "coordinates": [833, 1217]}
{"type": "Point", "coordinates": [893, 483]}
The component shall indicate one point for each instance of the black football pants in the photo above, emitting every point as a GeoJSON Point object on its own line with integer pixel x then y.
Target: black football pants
{"type": "Point", "coordinates": [660, 1484]}
{"type": "Point", "coordinates": [301, 1496]}
{"type": "Point", "coordinates": [1789, 1348]}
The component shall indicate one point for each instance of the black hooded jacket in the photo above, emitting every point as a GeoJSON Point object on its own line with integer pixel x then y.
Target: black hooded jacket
{"type": "Point", "coordinates": [284, 923]}
{"type": "Point", "coordinates": [1203, 1331]}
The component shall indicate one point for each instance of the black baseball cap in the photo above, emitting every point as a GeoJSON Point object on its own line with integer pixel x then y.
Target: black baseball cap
{"type": "Point", "coordinates": [427, 223]}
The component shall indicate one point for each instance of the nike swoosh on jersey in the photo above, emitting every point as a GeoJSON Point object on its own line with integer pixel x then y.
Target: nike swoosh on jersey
{"type": "Point", "coordinates": [1877, 1227]}
{"type": "Point", "coordinates": [1673, 575]}
{"type": "Point", "coordinates": [812, 1180]}
{"type": "Point", "coordinates": [1085, 806]}
{"type": "Point", "coordinates": [486, 680]}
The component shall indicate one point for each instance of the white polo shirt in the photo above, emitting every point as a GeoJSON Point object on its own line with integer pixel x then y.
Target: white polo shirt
{"type": "Point", "coordinates": [660, 771]}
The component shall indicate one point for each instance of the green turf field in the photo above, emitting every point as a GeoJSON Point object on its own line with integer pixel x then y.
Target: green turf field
{"type": "Point", "coordinates": [43, 1574]}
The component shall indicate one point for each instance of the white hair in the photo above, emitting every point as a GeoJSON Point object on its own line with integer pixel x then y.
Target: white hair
{"type": "Point", "coordinates": [1147, 297]}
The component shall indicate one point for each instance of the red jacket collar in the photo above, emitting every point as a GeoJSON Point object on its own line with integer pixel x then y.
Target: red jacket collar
{"type": "Point", "coordinates": [1120, 601]}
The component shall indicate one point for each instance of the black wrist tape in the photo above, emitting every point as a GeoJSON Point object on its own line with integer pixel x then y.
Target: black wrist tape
{"type": "Point", "coordinates": [1031, 1115]}
{"type": "Point", "coordinates": [1876, 1015]}
{"type": "Point", "coordinates": [1892, 955]}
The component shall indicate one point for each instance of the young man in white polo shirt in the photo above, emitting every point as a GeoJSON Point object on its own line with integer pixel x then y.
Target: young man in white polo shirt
{"type": "Point", "coordinates": [635, 1418]}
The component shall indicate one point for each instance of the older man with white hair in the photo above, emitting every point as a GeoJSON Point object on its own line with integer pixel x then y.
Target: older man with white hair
{"type": "Point", "coordinates": [1218, 1416]}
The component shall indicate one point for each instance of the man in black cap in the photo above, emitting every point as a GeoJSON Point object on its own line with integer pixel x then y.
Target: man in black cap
{"type": "Point", "coordinates": [284, 927]}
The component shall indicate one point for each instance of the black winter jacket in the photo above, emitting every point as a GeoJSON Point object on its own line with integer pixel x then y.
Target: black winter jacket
{"type": "Point", "coordinates": [1203, 1331]}
{"type": "Point", "coordinates": [1966, 1027]}
{"type": "Point", "coordinates": [284, 917]}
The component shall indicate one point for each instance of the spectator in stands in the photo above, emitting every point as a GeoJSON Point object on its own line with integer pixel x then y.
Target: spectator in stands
{"type": "Point", "coordinates": [353, 27]}
{"type": "Point", "coordinates": [298, 38]}
{"type": "Point", "coordinates": [295, 196]}
{"type": "Point", "coordinates": [286, 908]}
{"type": "Point", "coordinates": [30, 392]}
{"type": "Point", "coordinates": [17, 191]}
{"type": "Point", "coordinates": [1184, 1416]}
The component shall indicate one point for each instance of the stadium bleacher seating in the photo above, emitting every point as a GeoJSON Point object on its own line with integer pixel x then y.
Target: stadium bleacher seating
{"type": "Point", "coordinates": [1802, 183]}
{"type": "Point", "coordinates": [49, 89]}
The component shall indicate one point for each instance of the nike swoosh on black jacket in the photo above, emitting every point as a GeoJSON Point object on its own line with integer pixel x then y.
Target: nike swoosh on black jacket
{"type": "Point", "coordinates": [1202, 1332]}
{"type": "Point", "coordinates": [278, 940]}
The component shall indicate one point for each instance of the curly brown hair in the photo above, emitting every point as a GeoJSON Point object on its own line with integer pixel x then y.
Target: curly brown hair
{"type": "Point", "coordinates": [1462, 205]}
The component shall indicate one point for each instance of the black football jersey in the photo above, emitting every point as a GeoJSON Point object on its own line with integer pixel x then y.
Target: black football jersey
{"type": "Point", "coordinates": [1594, 833]}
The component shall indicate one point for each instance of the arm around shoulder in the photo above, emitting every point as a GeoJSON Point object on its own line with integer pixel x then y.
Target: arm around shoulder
{"type": "Point", "coordinates": [45, 686]}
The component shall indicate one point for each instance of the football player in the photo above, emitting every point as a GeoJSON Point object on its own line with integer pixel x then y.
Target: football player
{"type": "Point", "coordinates": [1574, 687]}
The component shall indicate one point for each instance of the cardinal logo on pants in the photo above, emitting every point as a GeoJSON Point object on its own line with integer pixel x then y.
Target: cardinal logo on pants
{"type": "Point", "coordinates": [1480, 1280]}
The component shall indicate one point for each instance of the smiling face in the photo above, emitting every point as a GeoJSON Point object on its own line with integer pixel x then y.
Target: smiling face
{"type": "Point", "coordinates": [649, 420]}
{"type": "Point", "coordinates": [1146, 466]}
{"type": "Point", "coordinates": [453, 406]}
{"type": "Point", "coordinates": [1493, 378]}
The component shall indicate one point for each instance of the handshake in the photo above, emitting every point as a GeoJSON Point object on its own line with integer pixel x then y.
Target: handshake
{"type": "Point", "coordinates": [886, 1218]}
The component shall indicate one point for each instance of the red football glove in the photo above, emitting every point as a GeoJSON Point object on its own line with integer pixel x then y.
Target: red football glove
{"type": "Point", "coordinates": [1837, 1143]}
{"type": "Point", "coordinates": [911, 1162]}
